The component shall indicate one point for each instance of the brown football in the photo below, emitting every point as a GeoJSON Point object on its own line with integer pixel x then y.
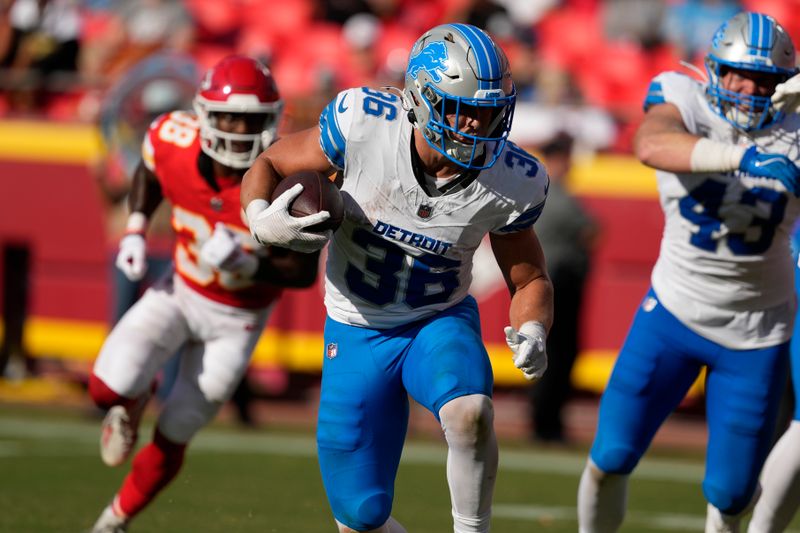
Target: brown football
{"type": "Point", "coordinates": [319, 194]}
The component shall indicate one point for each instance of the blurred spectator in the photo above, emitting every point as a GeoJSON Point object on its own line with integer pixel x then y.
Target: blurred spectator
{"type": "Point", "coordinates": [637, 21]}
{"type": "Point", "coordinates": [41, 43]}
{"type": "Point", "coordinates": [690, 24]}
{"type": "Point", "coordinates": [136, 29]}
{"type": "Point", "coordinates": [361, 33]}
{"type": "Point", "coordinates": [568, 234]}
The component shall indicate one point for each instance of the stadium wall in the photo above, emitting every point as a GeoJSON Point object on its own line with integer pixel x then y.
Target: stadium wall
{"type": "Point", "coordinates": [49, 203]}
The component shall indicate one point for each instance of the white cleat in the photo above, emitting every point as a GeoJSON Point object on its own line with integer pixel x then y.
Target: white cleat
{"type": "Point", "coordinates": [109, 522]}
{"type": "Point", "coordinates": [120, 431]}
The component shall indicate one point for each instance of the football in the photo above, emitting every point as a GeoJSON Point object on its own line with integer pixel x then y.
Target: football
{"type": "Point", "coordinates": [319, 194]}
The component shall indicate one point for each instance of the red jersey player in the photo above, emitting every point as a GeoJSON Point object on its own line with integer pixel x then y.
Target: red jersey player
{"type": "Point", "coordinates": [215, 304]}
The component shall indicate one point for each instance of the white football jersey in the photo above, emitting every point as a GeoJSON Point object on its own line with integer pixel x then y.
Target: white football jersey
{"type": "Point", "coordinates": [401, 255]}
{"type": "Point", "coordinates": [725, 267]}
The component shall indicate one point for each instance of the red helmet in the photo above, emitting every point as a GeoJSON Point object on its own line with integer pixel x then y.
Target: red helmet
{"type": "Point", "coordinates": [237, 84]}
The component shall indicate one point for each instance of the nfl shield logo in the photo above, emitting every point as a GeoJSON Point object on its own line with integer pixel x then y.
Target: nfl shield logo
{"type": "Point", "coordinates": [331, 350]}
{"type": "Point", "coordinates": [424, 211]}
{"type": "Point", "coordinates": [216, 203]}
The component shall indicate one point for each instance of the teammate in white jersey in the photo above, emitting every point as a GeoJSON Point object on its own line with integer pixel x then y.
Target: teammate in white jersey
{"type": "Point", "coordinates": [721, 294]}
{"type": "Point", "coordinates": [427, 173]}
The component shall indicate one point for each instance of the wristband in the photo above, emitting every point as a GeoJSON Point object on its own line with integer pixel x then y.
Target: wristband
{"type": "Point", "coordinates": [254, 208]}
{"type": "Point", "coordinates": [715, 156]}
{"type": "Point", "coordinates": [137, 223]}
{"type": "Point", "coordinates": [532, 328]}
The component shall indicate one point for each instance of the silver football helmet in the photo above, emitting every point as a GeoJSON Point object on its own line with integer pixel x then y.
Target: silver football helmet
{"type": "Point", "coordinates": [455, 69]}
{"type": "Point", "coordinates": [748, 41]}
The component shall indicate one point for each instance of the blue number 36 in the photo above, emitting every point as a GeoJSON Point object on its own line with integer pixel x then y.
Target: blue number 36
{"type": "Point", "coordinates": [431, 280]}
{"type": "Point", "coordinates": [380, 104]}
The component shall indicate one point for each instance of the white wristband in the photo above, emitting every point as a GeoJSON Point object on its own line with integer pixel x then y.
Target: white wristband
{"type": "Point", "coordinates": [715, 156]}
{"type": "Point", "coordinates": [254, 208]}
{"type": "Point", "coordinates": [532, 328]}
{"type": "Point", "coordinates": [137, 223]}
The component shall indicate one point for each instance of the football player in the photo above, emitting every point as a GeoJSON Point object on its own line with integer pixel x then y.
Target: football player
{"type": "Point", "coordinates": [216, 303]}
{"type": "Point", "coordinates": [721, 295]}
{"type": "Point", "coordinates": [780, 478]}
{"type": "Point", "coordinates": [427, 172]}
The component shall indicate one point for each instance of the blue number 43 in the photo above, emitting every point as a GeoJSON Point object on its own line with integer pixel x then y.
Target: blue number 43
{"type": "Point", "coordinates": [702, 207]}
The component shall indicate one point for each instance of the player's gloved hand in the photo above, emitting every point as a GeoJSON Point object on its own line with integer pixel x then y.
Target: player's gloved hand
{"type": "Point", "coordinates": [223, 251]}
{"type": "Point", "coordinates": [528, 345]}
{"type": "Point", "coordinates": [274, 225]}
{"type": "Point", "coordinates": [132, 256]}
{"type": "Point", "coordinates": [773, 166]}
{"type": "Point", "coordinates": [786, 97]}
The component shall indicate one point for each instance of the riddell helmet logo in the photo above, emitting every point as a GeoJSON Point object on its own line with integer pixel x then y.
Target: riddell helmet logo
{"type": "Point", "coordinates": [425, 211]}
{"type": "Point", "coordinates": [431, 59]}
{"type": "Point", "coordinates": [331, 350]}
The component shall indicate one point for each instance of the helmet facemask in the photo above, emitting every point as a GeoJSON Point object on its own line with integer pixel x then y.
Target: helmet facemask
{"type": "Point", "coordinates": [235, 150]}
{"type": "Point", "coordinates": [466, 149]}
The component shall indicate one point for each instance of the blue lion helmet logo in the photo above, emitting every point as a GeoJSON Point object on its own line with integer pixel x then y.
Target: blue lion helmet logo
{"type": "Point", "coordinates": [431, 59]}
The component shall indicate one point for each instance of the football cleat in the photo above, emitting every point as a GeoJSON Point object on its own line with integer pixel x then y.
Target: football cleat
{"type": "Point", "coordinates": [110, 522]}
{"type": "Point", "coordinates": [120, 431]}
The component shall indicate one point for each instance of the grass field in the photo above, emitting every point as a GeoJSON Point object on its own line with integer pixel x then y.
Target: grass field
{"type": "Point", "coordinates": [51, 480]}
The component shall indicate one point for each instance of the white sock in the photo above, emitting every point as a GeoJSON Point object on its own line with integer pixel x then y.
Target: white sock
{"type": "Point", "coordinates": [602, 499]}
{"type": "Point", "coordinates": [780, 485]}
{"type": "Point", "coordinates": [391, 526]}
{"type": "Point", "coordinates": [468, 424]}
{"type": "Point", "coordinates": [717, 522]}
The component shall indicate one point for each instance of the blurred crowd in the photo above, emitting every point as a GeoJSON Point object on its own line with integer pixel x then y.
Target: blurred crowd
{"type": "Point", "coordinates": [580, 65]}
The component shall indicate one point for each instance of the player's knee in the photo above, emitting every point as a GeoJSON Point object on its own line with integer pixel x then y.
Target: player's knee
{"type": "Point", "coordinates": [364, 514]}
{"type": "Point", "coordinates": [467, 419]}
{"type": "Point", "coordinates": [218, 388]}
{"type": "Point", "coordinates": [101, 394]}
{"type": "Point", "coordinates": [730, 500]}
{"type": "Point", "coordinates": [180, 425]}
{"type": "Point", "coordinates": [616, 460]}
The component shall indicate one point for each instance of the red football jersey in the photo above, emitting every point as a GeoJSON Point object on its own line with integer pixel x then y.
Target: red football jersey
{"type": "Point", "coordinates": [170, 150]}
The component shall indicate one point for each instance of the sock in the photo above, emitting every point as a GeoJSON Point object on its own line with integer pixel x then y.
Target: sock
{"type": "Point", "coordinates": [471, 461]}
{"type": "Point", "coordinates": [602, 499]}
{"type": "Point", "coordinates": [717, 522]}
{"type": "Point", "coordinates": [104, 397]}
{"type": "Point", "coordinates": [391, 526]}
{"type": "Point", "coordinates": [780, 484]}
{"type": "Point", "coordinates": [153, 468]}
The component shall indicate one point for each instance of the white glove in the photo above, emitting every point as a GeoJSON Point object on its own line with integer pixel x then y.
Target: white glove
{"type": "Point", "coordinates": [223, 251]}
{"type": "Point", "coordinates": [272, 224]}
{"type": "Point", "coordinates": [132, 256]}
{"type": "Point", "coordinates": [528, 345]}
{"type": "Point", "coordinates": [786, 97]}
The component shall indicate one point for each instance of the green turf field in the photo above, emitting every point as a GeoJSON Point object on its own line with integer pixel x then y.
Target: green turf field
{"type": "Point", "coordinates": [52, 480]}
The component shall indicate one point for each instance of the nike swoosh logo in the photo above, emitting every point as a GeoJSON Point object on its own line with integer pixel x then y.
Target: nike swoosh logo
{"type": "Point", "coordinates": [765, 162]}
{"type": "Point", "coordinates": [342, 108]}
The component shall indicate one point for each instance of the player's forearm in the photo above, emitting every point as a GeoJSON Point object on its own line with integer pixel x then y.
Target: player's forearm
{"type": "Point", "coordinates": [665, 150]}
{"type": "Point", "coordinates": [259, 181]}
{"type": "Point", "coordinates": [533, 302]}
{"type": "Point", "coordinates": [144, 198]}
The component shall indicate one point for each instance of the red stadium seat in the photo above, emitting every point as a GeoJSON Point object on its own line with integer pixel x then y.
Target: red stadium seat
{"type": "Point", "coordinates": [214, 18]}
